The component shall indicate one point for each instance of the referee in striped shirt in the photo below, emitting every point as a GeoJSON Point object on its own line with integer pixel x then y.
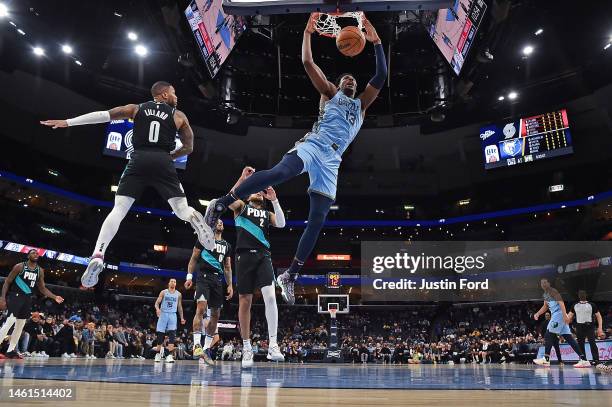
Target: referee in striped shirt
{"type": "Point", "coordinates": [584, 311]}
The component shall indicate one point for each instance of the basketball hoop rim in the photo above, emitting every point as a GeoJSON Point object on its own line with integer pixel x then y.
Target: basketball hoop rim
{"type": "Point", "coordinates": [334, 29]}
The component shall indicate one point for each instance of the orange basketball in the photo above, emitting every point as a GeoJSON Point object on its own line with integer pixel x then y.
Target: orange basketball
{"type": "Point", "coordinates": [350, 41]}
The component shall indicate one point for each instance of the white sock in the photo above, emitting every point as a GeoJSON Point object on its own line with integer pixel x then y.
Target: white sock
{"type": "Point", "coordinates": [161, 351]}
{"type": "Point", "coordinates": [111, 223]}
{"type": "Point", "coordinates": [207, 341]}
{"type": "Point", "coordinates": [6, 327]}
{"type": "Point", "coordinates": [197, 338]}
{"type": "Point", "coordinates": [16, 334]}
{"type": "Point", "coordinates": [246, 344]}
{"type": "Point", "coordinates": [269, 296]}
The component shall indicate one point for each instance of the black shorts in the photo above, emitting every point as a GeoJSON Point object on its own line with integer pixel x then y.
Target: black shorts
{"type": "Point", "coordinates": [19, 304]}
{"type": "Point", "coordinates": [150, 168]}
{"type": "Point", "coordinates": [209, 288]}
{"type": "Point", "coordinates": [253, 270]}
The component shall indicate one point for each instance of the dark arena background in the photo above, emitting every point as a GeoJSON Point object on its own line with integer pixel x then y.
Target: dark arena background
{"type": "Point", "coordinates": [465, 259]}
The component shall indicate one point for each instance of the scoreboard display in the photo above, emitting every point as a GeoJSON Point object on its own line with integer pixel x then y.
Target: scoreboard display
{"type": "Point", "coordinates": [527, 139]}
{"type": "Point", "coordinates": [333, 280]}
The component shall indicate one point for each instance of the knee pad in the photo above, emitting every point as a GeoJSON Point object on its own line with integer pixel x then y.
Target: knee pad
{"type": "Point", "coordinates": [122, 204]}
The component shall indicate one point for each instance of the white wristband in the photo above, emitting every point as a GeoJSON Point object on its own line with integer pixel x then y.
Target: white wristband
{"type": "Point", "coordinates": [102, 116]}
{"type": "Point", "coordinates": [189, 276]}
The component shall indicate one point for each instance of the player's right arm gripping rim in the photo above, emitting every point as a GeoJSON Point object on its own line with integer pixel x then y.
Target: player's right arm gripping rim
{"type": "Point", "coordinates": [316, 75]}
{"type": "Point", "coordinates": [17, 268]}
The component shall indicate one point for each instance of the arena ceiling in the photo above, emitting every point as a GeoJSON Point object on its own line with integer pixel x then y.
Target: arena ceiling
{"type": "Point", "coordinates": [568, 60]}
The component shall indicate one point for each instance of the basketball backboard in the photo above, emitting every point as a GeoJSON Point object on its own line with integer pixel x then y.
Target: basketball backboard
{"type": "Point", "coordinates": [266, 7]}
{"type": "Point", "coordinates": [340, 302]}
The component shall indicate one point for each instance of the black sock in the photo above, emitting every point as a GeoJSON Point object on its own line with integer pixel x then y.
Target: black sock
{"type": "Point", "coordinates": [295, 268]}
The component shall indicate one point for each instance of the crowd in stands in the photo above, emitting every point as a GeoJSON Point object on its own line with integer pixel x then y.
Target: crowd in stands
{"type": "Point", "coordinates": [427, 334]}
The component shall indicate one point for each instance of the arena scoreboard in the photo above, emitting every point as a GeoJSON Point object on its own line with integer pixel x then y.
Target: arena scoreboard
{"type": "Point", "coordinates": [527, 139]}
{"type": "Point", "coordinates": [333, 280]}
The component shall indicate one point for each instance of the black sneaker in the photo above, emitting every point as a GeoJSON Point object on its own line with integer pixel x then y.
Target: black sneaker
{"type": "Point", "coordinates": [13, 355]}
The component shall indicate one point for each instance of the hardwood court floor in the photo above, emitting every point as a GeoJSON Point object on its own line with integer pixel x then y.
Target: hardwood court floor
{"type": "Point", "coordinates": [186, 383]}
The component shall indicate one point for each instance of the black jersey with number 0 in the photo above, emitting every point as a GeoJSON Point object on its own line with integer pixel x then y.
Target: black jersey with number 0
{"type": "Point", "coordinates": [252, 228]}
{"type": "Point", "coordinates": [154, 127]}
{"type": "Point", "coordinates": [26, 281]}
{"type": "Point", "coordinates": [212, 260]}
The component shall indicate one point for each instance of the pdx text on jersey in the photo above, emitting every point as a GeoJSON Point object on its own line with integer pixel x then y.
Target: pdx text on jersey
{"type": "Point", "coordinates": [156, 113]}
{"type": "Point", "coordinates": [258, 213]}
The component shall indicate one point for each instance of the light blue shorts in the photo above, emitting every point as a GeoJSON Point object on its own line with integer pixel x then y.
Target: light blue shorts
{"type": "Point", "coordinates": [322, 163]}
{"type": "Point", "coordinates": [558, 326]}
{"type": "Point", "coordinates": [166, 322]}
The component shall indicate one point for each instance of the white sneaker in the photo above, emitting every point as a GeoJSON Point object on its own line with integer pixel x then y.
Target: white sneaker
{"type": "Point", "coordinates": [93, 357]}
{"type": "Point", "coordinates": [44, 354]}
{"type": "Point", "coordinates": [542, 362]}
{"type": "Point", "coordinates": [582, 363]}
{"type": "Point", "coordinates": [169, 359]}
{"type": "Point", "coordinates": [72, 355]}
{"type": "Point", "coordinates": [65, 356]}
{"type": "Point", "coordinates": [157, 357]}
{"type": "Point", "coordinates": [275, 354]}
{"type": "Point", "coordinates": [247, 358]}
{"type": "Point", "coordinates": [93, 270]}
{"type": "Point", "coordinates": [26, 354]}
{"type": "Point", "coordinates": [87, 357]}
{"type": "Point", "coordinates": [204, 232]}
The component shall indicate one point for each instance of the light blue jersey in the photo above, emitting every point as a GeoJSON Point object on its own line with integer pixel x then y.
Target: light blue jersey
{"type": "Point", "coordinates": [340, 120]}
{"type": "Point", "coordinates": [167, 320]}
{"type": "Point", "coordinates": [170, 301]}
{"type": "Point", "coordinates": [556, 324]}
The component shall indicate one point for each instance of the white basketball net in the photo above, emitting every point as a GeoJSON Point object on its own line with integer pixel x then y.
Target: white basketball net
{"type": "Point", "coordinates": [327, 25]}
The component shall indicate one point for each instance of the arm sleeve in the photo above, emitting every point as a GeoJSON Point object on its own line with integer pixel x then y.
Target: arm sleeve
{"type": "Point", "coordinates": [278, 213]}
{"type": "Point", "coordinates": [378, 81]}
{"type": "Point", "coordinates": [102, 116]}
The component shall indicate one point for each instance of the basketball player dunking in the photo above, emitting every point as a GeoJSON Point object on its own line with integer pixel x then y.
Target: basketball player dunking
{"type": "Point", "coordinates": [557, 326]}
{"type": "Point", "coordinates": [214, 266]}
{"type": "Point", "coordinates": [319, 153]}
{"type": "Point", "coordinates": [254, 265]}
{"type": "Point", "coordinates": [155, 126]}
{"type": "Point", "coordinates": [16, 297]}
{"type": "Point", "coordinates": [167, 304]}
